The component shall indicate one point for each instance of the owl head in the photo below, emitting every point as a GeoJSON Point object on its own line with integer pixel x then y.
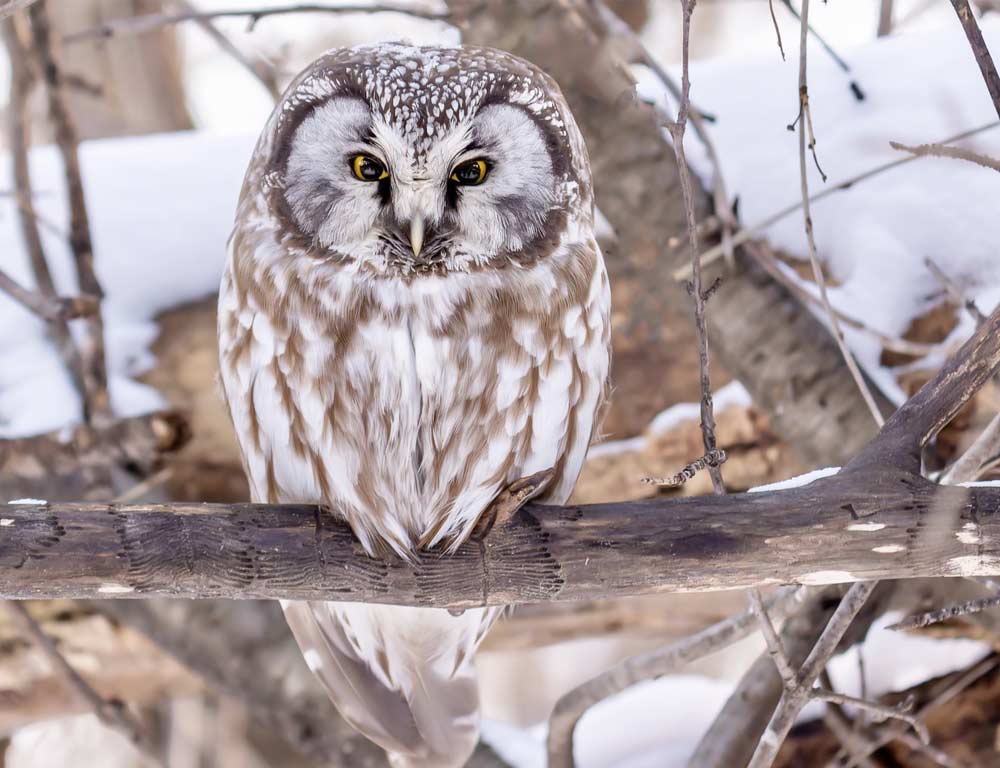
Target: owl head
{"type": "Point", "coordinates": [408, 160]}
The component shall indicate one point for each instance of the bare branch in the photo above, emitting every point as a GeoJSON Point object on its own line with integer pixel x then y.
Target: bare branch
{"type": "Point", "coordinates": [885, 18]}
{"type": "Point", "coordinates": [957, 296]}
{"type": "Point", "coordinates": [882, 711]}
{"type": "Point", "coordinates": [764, 256]}
{"type": "Point", "coordinates": [805, 121]}
{"type": "Point", "coordinates": [740, 237]}
{"type": "Point", "coordinates": [777, 29]}
{"type": "Point", "coordinates": [920, 620]}
{"type": "Point", "coordinates": [45, 307]}
{"type": "Point", "coordinates": [662, 661]}
{"type": "Point", "coordinates": [113, 714]}
{"type": "Point", "coordinates": [975, 36]}
{"type": "Point", "coordinates": [958, 153]}
{"type": "Point", "coordinates": [971, 463]}
{"type": "Point", "coordinates": [22, 82]}
{"type": "Point", "coordinates": [302, 552]}
{"type": "Point", "coordinates": [793, 701]}
{"type": "Point", "coordinates": [713, 459]}
{"type": "Point", "coordinates": [677, 130]}
{"type": "Point", "coordinates": [774, 646]}
{"type": "Point", "coordinates": [138, 25]}
{"type": "Point", "coordinates": [262, 70]}
{"type": "Point", "coordinates": [95, 378]}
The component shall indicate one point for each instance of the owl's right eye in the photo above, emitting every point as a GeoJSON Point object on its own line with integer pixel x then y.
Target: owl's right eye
{"type": "Point", "coordinates": [367, 168]}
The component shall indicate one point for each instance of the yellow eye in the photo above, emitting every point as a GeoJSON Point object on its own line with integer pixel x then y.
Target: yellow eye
{"type": "Point", "coordinates": [470, 173]}
{"type": "Point", "coordinates": [367, 168]}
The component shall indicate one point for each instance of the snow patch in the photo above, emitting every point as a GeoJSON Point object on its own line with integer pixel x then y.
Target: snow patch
{"type": "Point", "coordinates": [866, 526]}
{"type": "Point", "coordinates": [798, 481]}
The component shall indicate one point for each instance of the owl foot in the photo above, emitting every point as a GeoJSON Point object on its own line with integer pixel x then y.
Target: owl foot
{"type": "Point", "coordinates": [506, 503]}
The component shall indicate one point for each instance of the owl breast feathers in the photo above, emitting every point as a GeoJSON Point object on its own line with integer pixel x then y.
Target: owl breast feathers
{"type": "Point", "coordinates": [414, 315]}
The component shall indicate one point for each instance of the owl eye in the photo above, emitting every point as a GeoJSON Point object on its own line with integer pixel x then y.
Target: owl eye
{"type": "Point", "coordinates": [367, 168]}
{"type": "Point", "coordinates": [470, 173]}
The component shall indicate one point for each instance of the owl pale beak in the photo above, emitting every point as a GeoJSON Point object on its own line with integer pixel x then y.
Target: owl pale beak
{"type": "Point", "coordinates": [416, 235]}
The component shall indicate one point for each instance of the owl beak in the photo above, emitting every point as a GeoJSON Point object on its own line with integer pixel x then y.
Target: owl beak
{"type": "Point", "coordinates": [416, 235]}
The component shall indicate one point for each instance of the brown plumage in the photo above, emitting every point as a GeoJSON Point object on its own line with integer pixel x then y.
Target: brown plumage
{"type": "Point", "coordinates": [403, 348]}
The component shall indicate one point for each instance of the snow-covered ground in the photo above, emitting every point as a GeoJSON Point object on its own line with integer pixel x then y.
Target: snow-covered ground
{"type": "Point", "coordinates": [873, 238]}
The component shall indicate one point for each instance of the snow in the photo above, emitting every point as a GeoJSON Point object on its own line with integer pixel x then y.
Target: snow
{"type": "Point", "coordinates": [796, 482]}
{"type": "Point", "coordinates": [659, 722]}
{"type": "Point", "coordinates": [161, 209]}
{"type": "Point", "coordinates": [731, 395]}
{"type": "Point", "coordinates": [873, 237]}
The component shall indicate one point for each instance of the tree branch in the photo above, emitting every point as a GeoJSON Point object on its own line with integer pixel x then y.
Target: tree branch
{"type": "Point", "coordinates": [96, 404]}
{"type": "Point", "coordinates": [975, 36]}
{"type": "Point", "coordinates": [113, 714]}
{"type": "Point", "coordinates": [138, 25]}
{"type": "Point", "coordinates": [815, 534]}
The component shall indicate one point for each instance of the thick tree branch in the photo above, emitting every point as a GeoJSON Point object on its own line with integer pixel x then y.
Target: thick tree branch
{"type": "Point", "coordinates": [851, 527]}
{"type": "Point", "coordinates": [854, 526]}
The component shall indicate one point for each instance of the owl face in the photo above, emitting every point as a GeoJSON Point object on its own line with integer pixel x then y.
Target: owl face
{"type": "Point", "coordinates": [411, 160]}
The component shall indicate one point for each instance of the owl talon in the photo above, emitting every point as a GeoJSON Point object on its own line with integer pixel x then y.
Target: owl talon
{"type": "Point", "coordinates": [506, 503]}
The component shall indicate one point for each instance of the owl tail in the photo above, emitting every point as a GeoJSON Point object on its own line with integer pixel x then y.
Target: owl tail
{"type": "Point", "coordinates": [401, 676]}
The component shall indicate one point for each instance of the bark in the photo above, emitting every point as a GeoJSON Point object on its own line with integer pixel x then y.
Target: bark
{"type": "Point", "coordinates": [856, 526]}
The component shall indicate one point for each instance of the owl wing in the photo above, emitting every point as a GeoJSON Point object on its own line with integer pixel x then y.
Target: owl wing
{"type": "Point", "coordinates": [402, 676]}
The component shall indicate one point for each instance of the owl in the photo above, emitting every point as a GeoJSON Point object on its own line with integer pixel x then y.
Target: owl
{"type": "Point", "coordinates": [413, 318]}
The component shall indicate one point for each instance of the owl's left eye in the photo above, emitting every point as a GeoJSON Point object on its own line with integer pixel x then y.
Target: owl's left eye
{"type": "Point", "coordinates": [470, 173]}
{"type": "Point", "coordinates": [367, 168]}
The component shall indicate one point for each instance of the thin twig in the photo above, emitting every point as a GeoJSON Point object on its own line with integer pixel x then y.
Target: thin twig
{"type": "Point", "coordinates": [713, 459]}
{"type": "Point", "coordinates": [761, 252]}
{"type": "Point", "coordinates": [143, 487]}
{"type": "Point", "coordinates": [971, 464]}
{"type": "Point", "coordinates": [46, 307]}
{"type": "Point", "coordinates": [885, 18]}
{"type": "Point", "coordinates": [262, 70]}
{"type": "Point", "coordinates": [837, 58]}
{"type": "Point", "coordinates": [137, 25]}
{"type": "Point", "coordinates": [677, 129]}
{"type": "Point", "coordinates": [777, 29]}
{"type": "Point", "coordinates": [882, 711]}
{"type": "Point", "coordinates": [96, 402]}
{"type": "Point", "coordinates": [899, 731]}
{"type": "Point", "coordinates": [774, 646]}
{"type": "Point", "coordinates": [807, 220]}
{"type": "Point", "coordinates": [792, 701]}
{"type": "Point", "coordinates": [113, 714]}
{"type": "Point", "coordinates": [975, 37]}
{"type": "Point", "coordinates": [740, 237]}
{"type": "Point", "coordinates": [927, 618]}
{"type": "Point", "coordinates": [661, 661]}
{"type": "Point", "coordinates": [958, 153]}
{"type": "Point", "coordinates": [957, 296]}
{"type": "Point", "coordinates": [720, 196]}
{"type": "Point", "coordinates": [22, 82]}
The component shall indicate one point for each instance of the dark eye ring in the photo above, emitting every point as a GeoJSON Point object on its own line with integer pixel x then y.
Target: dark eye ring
{"type": "Point", "coordinates": [367, 168]}
{"type": "Point", "coordinates": [470, 173]}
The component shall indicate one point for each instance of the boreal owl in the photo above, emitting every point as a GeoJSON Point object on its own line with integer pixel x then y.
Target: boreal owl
{"type": "Point", "coordinates": [413, 317]}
